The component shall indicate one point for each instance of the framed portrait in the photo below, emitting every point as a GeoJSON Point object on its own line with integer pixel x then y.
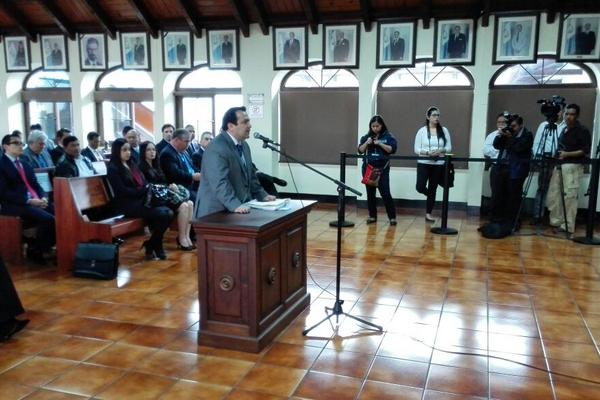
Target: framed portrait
{"type": "Point", "coordinates": [93, 52]}
{"type": "Point", "coordinates": [578, 37]}
{"type": "Point", "coordinates": [223, 49]}
{"type": "Point", "coordinates": [454, 42]}
{"type": "Point", "coordinates": [340, 46]}
{"type": "Point", "coordinates": [178, 51]}
{"type": "Point", "coordinates": [516, 39]}
{"type": "Point", "coordinates": [290, 48]}
{"type": "Point", "coordinates": [135, 51]}
{"type": "Point", "coordinates": [17, 54]}
{"type": "Point", "coordinates": [396, 43]}
{"type": "Point", "coordinates": [54, 53]}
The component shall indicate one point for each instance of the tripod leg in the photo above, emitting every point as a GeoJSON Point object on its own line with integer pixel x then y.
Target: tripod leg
{"type": "Point", "coordinates": [562, 198]}
{"type": "Point", "coordinates": [362, 321]}
{"type": "Point", "coordinates": [305, 332]}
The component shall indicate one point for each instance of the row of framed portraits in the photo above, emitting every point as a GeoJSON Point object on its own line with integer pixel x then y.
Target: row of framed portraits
{"type": "Point", "coordinates": [515, 41]}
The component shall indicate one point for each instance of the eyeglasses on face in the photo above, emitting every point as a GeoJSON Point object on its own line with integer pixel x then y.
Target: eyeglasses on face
{"type": "Point", "coordinates": [16, 143]}
{"type": "Point", "coordinates": [434, 115]}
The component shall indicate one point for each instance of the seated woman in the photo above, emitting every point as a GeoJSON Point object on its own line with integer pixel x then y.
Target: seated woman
{"type": "Point", "coordinates": [151, 170]}
{"type": "Point", "coordinates": [130, 191]}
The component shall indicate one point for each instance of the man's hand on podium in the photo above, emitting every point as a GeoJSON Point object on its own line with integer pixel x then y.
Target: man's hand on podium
{"type": "Point", "coordinates": [269, 197]}
{"type": "Point", "coordinates": [242, 210]}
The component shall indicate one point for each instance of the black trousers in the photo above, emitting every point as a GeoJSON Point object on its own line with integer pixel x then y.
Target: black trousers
{"type": "Point", "coordinates": [428, 178]}
{"type": "Point", "coordinates": [158, 220]}
{"type": "Point", "coordinates": [506, 194]}
{"type": "Point", "coordinates": [384, 191]}
{"type": "Point", "coordinates": [10, 305]}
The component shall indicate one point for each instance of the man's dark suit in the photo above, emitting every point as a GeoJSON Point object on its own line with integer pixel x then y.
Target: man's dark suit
{"type": "Point", "coordinates": [87, 152]}
{"type": "Point", "coordinates": [160, 146]}
{"type": "Point", "coordinates": [175, 170]}
{"type": "Point", "coordinates": [135, 155]}
{"type": "Point", "coordinates": [227, 51]}
{"type": "Point", "coordinates": [34, 159]}
{"type": "Point", "coordinates": [341, 50]}
{"type": "Point", "coordinates": [66, 167]}
{"type": "Point", "coordinates": [14, 197]}
{"type": "Point", "coordinates": [197, 158]}
{"type": "Point", "coordinates": [227, 182]}
{"type": "Point", "coordinates": [291, 51]}
{"type": "Point", "coordinates": [588, 42]}
{"type": "Point", "coordinates": [10, 304]}
{"type": "Point", "coordinates": [397, 49]}
{"type": "Point", "coordinates": [457, 46]}
{"type": "Point", "coordinates": [56, 153]}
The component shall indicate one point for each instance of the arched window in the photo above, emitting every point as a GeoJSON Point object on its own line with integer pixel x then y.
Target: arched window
{"type": "Point", "coordinates": [203, 95]}
{"type": "Point", "coordinates": [124, 97]}
{"type": "Point", "coordinates": [47, 99]}
{"type": "Point", "coordinates": [319, 114]}
{"type": "Point", "coordinates": [405, 94]}
{"type": "Point", "coordinates": [517, 88]}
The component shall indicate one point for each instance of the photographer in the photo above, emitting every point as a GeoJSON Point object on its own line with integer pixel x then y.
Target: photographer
{"type": "Point", "coordinates": [511, 170]}
{"type": "Point", "coordinates": [491, 155]}
{"type": "Point", "coordinates": [574, 144]}
{"type": "Point", "coordinates": [544, 147]}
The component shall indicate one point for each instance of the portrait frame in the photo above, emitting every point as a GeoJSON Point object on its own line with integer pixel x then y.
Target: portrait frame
{"type": "Point", "coordinates": [463, 50]}
{"type": "Point", "coordinates": [514, 49]}
{"type": "Point", "coordinates": [573, 44]}
{"type": "Point", "coordinates": [387, 52]}
{"type": "Point", "coordinates": [55, 54]}
{"type": "Point", "coordinates": [346, 54]}
{"type": "Point", "coordinates": [90, 65]}
{"type": "Point", "coordinates": [131, 56]}
{"type": "Point", "coordinates": [285, 55]}
{"type": "Point", "coordinates": [15, 60]}
{"type": "Point", "coordinates": [175, 57]}
{"type": "Point", "coordinates": [215, 39]}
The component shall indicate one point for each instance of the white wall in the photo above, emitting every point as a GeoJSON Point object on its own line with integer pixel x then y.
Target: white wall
{"type": "Point", "coordinates": [258, 76]}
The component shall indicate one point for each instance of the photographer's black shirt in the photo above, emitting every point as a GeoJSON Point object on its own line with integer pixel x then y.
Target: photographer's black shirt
{"type": "Point", "coordinates": [575, 138]}
{"type": "Point", "coordinates": [376, 156]}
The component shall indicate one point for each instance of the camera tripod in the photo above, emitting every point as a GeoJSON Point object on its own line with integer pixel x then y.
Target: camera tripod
{"type": "Point", "coordinates": [546, 161]}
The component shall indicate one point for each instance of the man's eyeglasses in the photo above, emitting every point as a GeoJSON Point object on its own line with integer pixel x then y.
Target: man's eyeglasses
{"type": "Point", "coordinates": [435, 115]}
{"type": "Point", "coordinates": [16, 143]}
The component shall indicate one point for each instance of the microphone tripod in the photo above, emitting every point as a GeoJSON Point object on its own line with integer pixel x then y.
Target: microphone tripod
{"type": "Point", "coordinates": [337, 309]}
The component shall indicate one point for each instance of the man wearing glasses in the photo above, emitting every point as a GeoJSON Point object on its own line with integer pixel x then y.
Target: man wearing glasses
{"type": "Point", "coordinates": [205, 140]}
{"type": "Point", "coordinates": [21, 195]}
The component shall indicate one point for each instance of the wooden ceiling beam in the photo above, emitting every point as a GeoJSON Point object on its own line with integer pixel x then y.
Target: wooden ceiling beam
{"type": "Point", "coordinates": [102, 17]}
{"type": "Point", "coordinates": [19, 19]}
{"type": "Point", "coordinates": [261, 14]}
{"type": "Point", "coordinates": [486, 6]}
{"type": "Point", "coordinates": [240, 15]}
{"type": "Point", "coordinates": [59, 18]}
{"type": "Point", "coordinates": [365, 10]}
{"type": "Point", "coordinates": [426, 13]}
{"type": "Point", "coordinates": [145, 17]}
{"type": "Point", "coordinates": [192, 17]}
{"type": "Point", "coordinates": [310, 10]}
{"type": "Point", "coordinates": [551, 12]}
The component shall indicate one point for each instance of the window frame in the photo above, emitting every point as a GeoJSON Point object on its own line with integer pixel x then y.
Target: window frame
{"type": "Point", "coordinates": [287, 76]}
{"type": "Point", "coordinates": [392, 71]}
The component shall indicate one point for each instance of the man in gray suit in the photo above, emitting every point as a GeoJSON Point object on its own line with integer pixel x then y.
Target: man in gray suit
{"type": "Point", "coordinates": [36, 153]}
{"type": "Point", "coordinates": [228, 180]}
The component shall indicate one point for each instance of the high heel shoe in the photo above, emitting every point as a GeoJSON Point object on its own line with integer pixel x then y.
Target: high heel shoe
{"type": "Point", "coordinates": [182, 247]}
{"type": "Point", "coordinates": [149, 251]}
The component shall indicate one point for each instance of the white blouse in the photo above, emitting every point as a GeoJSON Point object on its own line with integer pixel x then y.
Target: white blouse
{"type": "Point", "coordinates": [424, 143]}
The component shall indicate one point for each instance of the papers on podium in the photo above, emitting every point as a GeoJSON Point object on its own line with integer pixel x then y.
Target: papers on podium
{"type": "Point", "coordinates": [275, 205]}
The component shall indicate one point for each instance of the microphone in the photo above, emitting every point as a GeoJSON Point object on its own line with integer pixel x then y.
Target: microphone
{"type": "Point", "coordinates": [265, 139]}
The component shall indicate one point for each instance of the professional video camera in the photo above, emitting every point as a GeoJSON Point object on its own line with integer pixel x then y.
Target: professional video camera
{"type": "Point", "coordinates": [551, 108]}
{"type": "Point", "coordinates": [509, 119]}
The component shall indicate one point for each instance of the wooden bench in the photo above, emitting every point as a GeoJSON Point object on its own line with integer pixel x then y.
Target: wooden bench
{"type": "Point", "coordinates": [11, 245]}
{"type": "Point", "coordinates": [73, 197]}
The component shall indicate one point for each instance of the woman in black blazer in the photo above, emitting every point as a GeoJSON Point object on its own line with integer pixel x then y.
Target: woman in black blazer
{"type": "Point", "coordinates": [130, 190]}
{"type": "Point", "coordinates": [151, 170]}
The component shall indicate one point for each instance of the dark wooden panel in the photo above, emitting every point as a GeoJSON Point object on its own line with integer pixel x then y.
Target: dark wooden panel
{"type": "Point", "coordinates": [226, 260]}
{"type": "Point", "coordinates": [164, 9]}
{"type": "Point", "coordinates": [295, 259]}
{"type": "Point", "coordinates": [34, 12]}
{"type": "Point", "coordinates": [269, 276]}
{"type": "Point", "coordinates": [220, 8]}
{"type": "Point", "coordinates": [119, 10]}
{"type": "Point", "coordinates": [76, 12]}
{"type": "Point", "coordinates": [337, 6]}
{"type": "Point", "coordinates": [283, 7]}
{"type": "Point", "coordinates": [5, 20]}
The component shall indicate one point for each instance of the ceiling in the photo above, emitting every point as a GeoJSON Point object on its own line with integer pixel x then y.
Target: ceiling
{"type": "Point", "coordinates": [70, 17]}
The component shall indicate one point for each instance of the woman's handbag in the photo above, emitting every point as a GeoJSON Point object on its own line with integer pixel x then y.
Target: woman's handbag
{"type": "Point", "coordinates": [372, 175]}
{"type": "Point", "coordinates": [163, 195]}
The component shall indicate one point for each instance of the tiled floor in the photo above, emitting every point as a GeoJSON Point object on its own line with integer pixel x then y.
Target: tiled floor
{"type": "Point", "coordinates": [447, 304]}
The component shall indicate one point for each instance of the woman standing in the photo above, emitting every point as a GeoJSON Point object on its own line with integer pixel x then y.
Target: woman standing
{"type": "Point", "coordinates": [153, 174]}
{"type": "Point", "coordinates": [378, 144]}
{"type": "Point", "coordinates": [432, 140]}
{"type": "Point", "coordinates": [130, 192]}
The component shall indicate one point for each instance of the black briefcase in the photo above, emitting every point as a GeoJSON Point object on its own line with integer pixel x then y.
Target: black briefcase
{"type": "Point", "coordinates": [96, 261]}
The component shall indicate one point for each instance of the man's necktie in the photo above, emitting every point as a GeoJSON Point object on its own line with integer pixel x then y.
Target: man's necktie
{"type": "Point", "coordinates": [186, 164]}
{"type": "Point", "coordinates": [517, 36]}
{"type": "Point", "coordinates": [240, 152]}
{"type": "Point", "coordinates": [32, 193]}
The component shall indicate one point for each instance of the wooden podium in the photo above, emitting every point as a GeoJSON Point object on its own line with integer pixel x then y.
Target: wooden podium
{"type": "Point", "coordinates": [251, 275]}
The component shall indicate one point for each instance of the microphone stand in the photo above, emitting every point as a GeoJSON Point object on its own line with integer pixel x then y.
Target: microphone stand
{"type": "Point", "coordinates": [337, 309]}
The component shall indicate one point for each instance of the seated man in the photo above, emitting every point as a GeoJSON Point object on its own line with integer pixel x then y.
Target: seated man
{"type": "Point", "coordinates": [21, 195]}
{"type": "Point", "coordinates": [176, 164]}
{"type": "Point", "coordinates": [36, 153]}
{"type": "Point", "coordinates": [205, 140]}
{"type": "Point", "coordinates": [57, 152]}
{"type": "Point", "coordinates": [92, 151]}
{"type": "Point", "coordinates": [72, 163]}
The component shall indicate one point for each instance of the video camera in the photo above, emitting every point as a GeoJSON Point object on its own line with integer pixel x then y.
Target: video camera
{"type": "Point", "coordinates": [551, 108]}
{"type": "Point", "coordinates": [509, 119]}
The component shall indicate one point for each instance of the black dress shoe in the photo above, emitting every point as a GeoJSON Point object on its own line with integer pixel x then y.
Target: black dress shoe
{"type": "Point", "coordinates": [10, 328]}
{"type": "Point", "coordinates": [37, 257]}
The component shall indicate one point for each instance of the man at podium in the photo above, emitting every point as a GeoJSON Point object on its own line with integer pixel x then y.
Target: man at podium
{"type": "Point", "coordinates": [228, 180]}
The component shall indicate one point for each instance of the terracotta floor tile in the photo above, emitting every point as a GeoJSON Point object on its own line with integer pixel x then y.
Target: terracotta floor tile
{"type": "Point", "coordinates": [36, 371]}
{"type": "Point", "coordinates": [195, 390]}
{"type": "Point", "coordinates": [457, 380]}
{"type": "Point", "coordinates": [77, 348]}
{"type": "Point", "coordinates": [403, 346]}
{"type": "Point", "coordinates": [400, 372]}
{"type": "Point", "coordinates": [436, 395]}
{"type": "Point", "coordinates": [168, 363]}
{"type": "Point", "coordinates": [219, 371]}
{"type": "Point", "coordinates": [32, 342]}
{"type": "Point", "coordinates": [110, 330]}
{"type": "Point", "coordinates": [386, 391]}
{"type": "Point", "coordinates": [510, 387]}
{"type": "Point", "coordinates": [13, 391]}
{"type": "Point", "coordinates": [272, 379]}
{"type": "Point", "coordinates": [9, 359]}
{"type": "Point", "coordinates": [187, 342]}
{"type": "Point", "coordinates": [575, 391]}
{"type": "Point", "coordinates": [291, 355]}
{"type": "Point", "coordinates": [462, 357]}
{"type": "Point", "coordinates": [121, 355]}
{"type": "Point", "coordinates": [151, 336]}
{"type": "Point", "coordinates": [44, 394]}
{"type": "Point", "coordinates": [137, 386]}
{"type": "Point", "coordinates": [85, 379]}
{"type": "Point", "coordinates": [342, 363]}
{"type": "Point", "coordinates": [238, 394]}
{"type": "Point", "coordinates": [512, 364]}
{"type": "Point", "coordinates": [322, 386]}
{"type": "Point", "coordinates": [572, 351]}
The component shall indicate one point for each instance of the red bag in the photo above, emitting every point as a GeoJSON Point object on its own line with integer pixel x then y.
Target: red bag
{"type": "Point", "coordinates": [371, 176]}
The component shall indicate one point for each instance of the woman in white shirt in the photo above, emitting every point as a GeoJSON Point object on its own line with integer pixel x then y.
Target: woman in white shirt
{"type": "Point", "coordinates": [432, 140]}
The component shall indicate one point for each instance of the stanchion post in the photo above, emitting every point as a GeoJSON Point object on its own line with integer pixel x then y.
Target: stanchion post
{"type": "Point", "coordinates": [345, 223]}
{"type": "Point", "coordinates": [589, 228]}
{"type": "Point", "coordinates": [443, 229]}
